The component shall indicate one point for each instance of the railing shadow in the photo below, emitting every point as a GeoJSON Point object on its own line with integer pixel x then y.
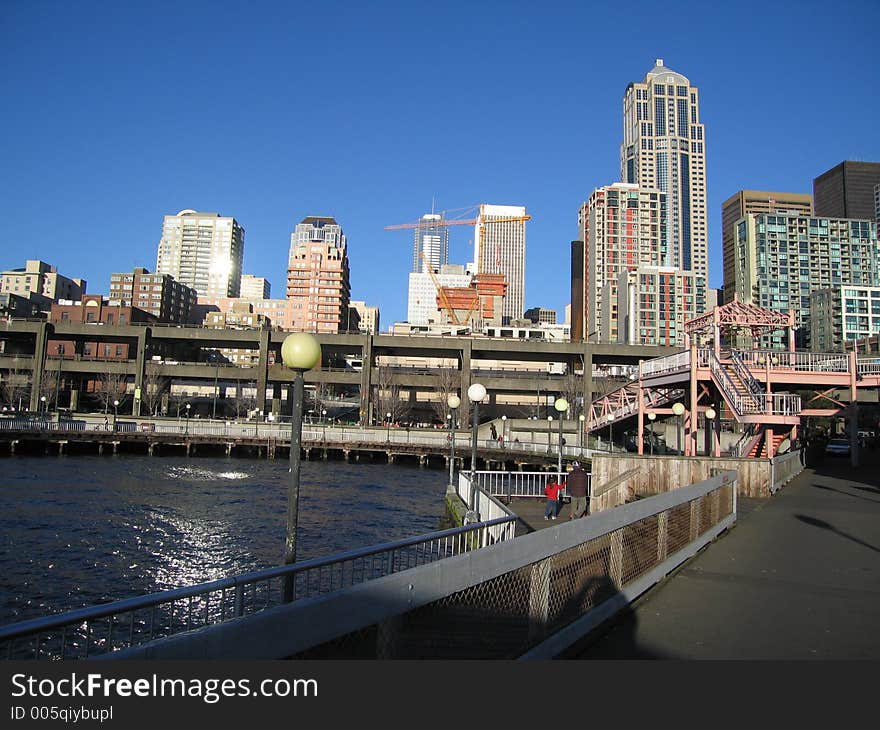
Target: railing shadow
{"type": "Point", "coordinates": [814, 522]}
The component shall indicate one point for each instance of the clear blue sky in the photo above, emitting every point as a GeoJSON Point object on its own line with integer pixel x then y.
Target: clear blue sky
{"type": "Point", "coordinates": [116, 114]}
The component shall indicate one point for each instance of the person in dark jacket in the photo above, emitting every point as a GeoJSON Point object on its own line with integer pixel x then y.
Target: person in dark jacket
{"type": "Point", "coordinates": [576, 484]}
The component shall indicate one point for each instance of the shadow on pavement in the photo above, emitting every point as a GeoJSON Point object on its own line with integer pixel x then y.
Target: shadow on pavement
{"type": "Point", "coordinates": [828, 526]}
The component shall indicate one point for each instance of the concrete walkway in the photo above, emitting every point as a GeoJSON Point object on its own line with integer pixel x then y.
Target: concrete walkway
{"type": "Point", "coordinates": [797, 578]}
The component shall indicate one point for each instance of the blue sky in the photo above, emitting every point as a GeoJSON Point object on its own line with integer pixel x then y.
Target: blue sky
{"type": "Point", "coordinates": [116, 114]}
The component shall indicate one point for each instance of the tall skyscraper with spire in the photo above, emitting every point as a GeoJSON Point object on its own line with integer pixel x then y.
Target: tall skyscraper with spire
{"type": "Point", "coordinates": [663, 149]}
{"type": "Point", "coordinates": [432, 239]}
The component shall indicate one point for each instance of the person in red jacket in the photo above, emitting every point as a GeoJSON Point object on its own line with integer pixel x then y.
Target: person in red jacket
{"type": "Point", "coordinates": [552, 491]}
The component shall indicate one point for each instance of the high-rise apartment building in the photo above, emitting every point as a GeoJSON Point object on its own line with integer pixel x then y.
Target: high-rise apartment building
{"type": "Point", "coordinates": [39, 278]}
{"type": "Point", "coordinates": [500, 248]}
{"type": "Point", "coordinates": [422, 297]}
{"type": "Point", "coordinates": [846, 190]}
{"type": "Point", "coordinates": [159, 294]}
{"type": "Point", "coordinates": [540, 315]}
{"type": "Point", "coordinates": [318, 277]}
{"type": "Point", "coordinates": [623, 227]}
{"type": "Point", "coordinates": [254, 287]}
{"type": "Point", "coordinates": [430, 244]}
{"type": "Point", "coordinates": [781, 259]}
{"type": "Point", "coordinates": [203, 251]}
{"type": "Point", "coordinates": [877, 202]}
{"type": "Point", "coordinates": [842, 314]}
{"type": "Point", "coordinates": [663, 149]}
{"type": "Point", "coordinates": [654, 302]}
{"type": "Point", "coordinates": [753, 202]}
{"type": "Point", "coordinates": [369, 317]}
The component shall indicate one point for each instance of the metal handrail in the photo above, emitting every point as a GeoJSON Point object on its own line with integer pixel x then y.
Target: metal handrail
{"type": "Point", "coordinates": [430, 547]}
{"type": "Point", "coordinates": [744, 373]}
{"type": "Point", "coordinates": [733, 396]}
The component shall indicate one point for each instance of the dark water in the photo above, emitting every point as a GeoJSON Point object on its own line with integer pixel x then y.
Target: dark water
{"type": "Point", "coordinates": [84, 530]}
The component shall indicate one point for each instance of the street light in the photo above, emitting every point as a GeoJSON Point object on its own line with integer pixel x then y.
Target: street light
{"type": "Point", "coordinates": [610, 432]}
{"type": "Point", "coordinates": [43, 406]}
{"type": "Point", "coordinates": [299, 352]}
{"type": "Point", "coordinates": [476, 393]}
{"type": "Point", "coordinates": [503, 430]}
{"type": "Point", "coordinates": [549, 439]}
{"type": "Point", "coordinates": [651, 418]}
{"type": "Point", "coordinates": [678, 410]}
{"type": "Point", "coordinates": [710, 428]}
{"type": "Point", "coordinates": [561, 406]}
{"type": "Point", "coordinates": [453, 401]}
{"type": "Point", "coordinates": [188, 406]}
{"type": "Point", "coordinates": [581, 419]}
{"type": "Point", "coordinates": [388, 426]}
{"type": "Point", "coordinates": [115, 413]}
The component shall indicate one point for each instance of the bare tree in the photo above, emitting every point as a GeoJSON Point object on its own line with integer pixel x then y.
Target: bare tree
{"type": "Point", "coordinates": [49, 388]}
{"type": "Point", "coordinates": [572, 389]}
{"type": "Point", "coordinates": [152, 388]}
{"type": "Point", "coordinates": [110, 387]}
{"type": "Point", "coordinates": [388, 398]}
{"type": "Point", "coordinates": [319, 396]}
{"type": "Point", "coordinates": [448, 383]}
{"type": "Point", "coordinates": [15, 387]}
{"type": "Point", "coordinates": [245, 397]}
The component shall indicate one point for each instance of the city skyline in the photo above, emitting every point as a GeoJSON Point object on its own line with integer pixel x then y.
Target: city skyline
{"type": "Point", "coordinates": [85, 141]}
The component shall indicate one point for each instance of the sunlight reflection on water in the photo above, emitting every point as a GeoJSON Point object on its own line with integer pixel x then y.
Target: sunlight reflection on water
{"type": "Point", "coordinates": [84, 530]}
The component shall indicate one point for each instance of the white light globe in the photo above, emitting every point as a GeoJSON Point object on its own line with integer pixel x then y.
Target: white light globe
{"type": "Point", "coordinates": [453, 401]}
{"type": "Point", "coordinates": [476, 392]}
{"type": "Point", "coordinates": [561, 405]}
{"type": "Point", "coordinates": [678, 409]}
{"type": "Point", "coordinates": [300, 351]}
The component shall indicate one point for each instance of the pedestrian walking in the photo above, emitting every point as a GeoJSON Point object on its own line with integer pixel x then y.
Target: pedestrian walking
{"type": "Point", "coordinates": [552, 491]}
{"type": "Point", "coordinates": [576, 484]}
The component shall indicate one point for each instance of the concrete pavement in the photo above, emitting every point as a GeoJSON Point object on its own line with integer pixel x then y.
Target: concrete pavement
{"type": "Point", "coordinates": [797, 578]}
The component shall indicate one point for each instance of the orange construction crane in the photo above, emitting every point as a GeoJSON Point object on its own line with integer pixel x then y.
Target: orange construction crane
{"type": "Point", "coordinates": [441, 293]}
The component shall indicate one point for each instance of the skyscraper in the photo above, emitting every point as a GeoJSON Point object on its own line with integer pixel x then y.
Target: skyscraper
{"type": "Point", "coordinates": [753, 201]}
{"type": "Point", "coordinates": [500, 248]}
{"type": "Point", "coordinates": [203, 251]}
{"type": "Point", "coordinates": [663, 148]}
{"type": "Point", "coordinates": [846, 190]}
{"type": "Point", "coordinates": [622, 227]}
{"type": "Point", "coordinates": [317, 276]}
{"type": "Point", "coordinates": [432, 239]}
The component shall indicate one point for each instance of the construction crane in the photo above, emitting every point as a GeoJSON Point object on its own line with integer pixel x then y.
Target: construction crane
{"type": "Point", "coordinates": [444, 222]}
{"type": "Point", "coordinates": [444, 299]}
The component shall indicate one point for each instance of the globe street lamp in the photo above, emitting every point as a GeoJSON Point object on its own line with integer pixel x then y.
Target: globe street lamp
{"type": "Point", "coordinates": [678, 410]}
{"type": "Point", "coordinates": [503, 430]}
{"type": "Point", "coordinates": [43, 406]}
{"type": "Point", "coordinates": [549, 438]}
{"type": "Point", "coordinates": [476, 393]}
{"type": "Point", "coordinates": [561, 406]}
{"type": "Point", "coordinates": [651, 418]}
{"type": "Point", "coordinates": [115, 413]}
{"type": "Point", "coordinates": [710, 428]}
{"type": "Point", "coordinates": [188, 406]}
{"type": "Point", "coordinates": [388, 426]}
{"type": "Point", "coordinates": [610, 432]}
{"type": "Point", "coordinates": [581, 419]}
{"type": "Point", "coordinates": [453, 401]}
{"type": "Point", "coordinates": [299, 352]}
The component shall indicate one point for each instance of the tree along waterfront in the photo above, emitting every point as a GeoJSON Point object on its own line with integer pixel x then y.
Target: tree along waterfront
{"type": "Point", "coordinates": [86, 530]}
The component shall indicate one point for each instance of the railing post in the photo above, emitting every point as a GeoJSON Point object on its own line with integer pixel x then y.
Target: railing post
{"type": "Point", "coordinates": [239, 600]}
{"type": "Point", "coordinates": [695, 520]}
{"type": "Point", "coordinates": [662, 536]}
{"type": "Point", "coordinates": [539, 598]}
{"type": "Point", "coordinates": [615, 562]}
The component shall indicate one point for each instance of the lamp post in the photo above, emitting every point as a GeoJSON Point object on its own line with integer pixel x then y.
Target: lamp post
{"type": "Point", "coordinates": [581, 419]}
{"type": "Point", "coordinates": [476, 393]}
{"type": "Point", "coordinates": [188, 406]}
{"type": "Point", "coordinates": [453, 401]}
{"type": "Point", "coordinates": [561, 406]}
{"type": "Point", "coordinates": [388, 427]}
{"type": "Point", "coordinates": [610, 432]}
{"type": "Point", "coordinates": [299, 352]}
{"type": "Point", "coordinates": [115, 413]}
{"type": "Point", "coordinates": [43, 403]}
{"type": "Point", "coordinates": [710, 428]}
{"type": "Point", "coordinates": [503, 430]}
{"type": "Point", "coordinates": [651, 418]}
{"type": "Point", "coordinates": [549, 436]}
{"type": "Point", "coordinates": [678, 410]}
{"type": "Point", "coordinates": [216, 378]}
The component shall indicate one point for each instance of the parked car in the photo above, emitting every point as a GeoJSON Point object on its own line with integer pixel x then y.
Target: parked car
{"type": "Point", "coordinates": [837, 447]}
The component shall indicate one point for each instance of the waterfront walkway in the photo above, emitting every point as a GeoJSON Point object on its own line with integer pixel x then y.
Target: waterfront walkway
{"type": "Point", "coordinates": [797, 578]}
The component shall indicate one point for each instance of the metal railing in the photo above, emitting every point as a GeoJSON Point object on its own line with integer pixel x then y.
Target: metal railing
{"type": "Point", "coordinates": [521, 484]}
{"type": "Point", "coordinates": [667, 364]}
{"type": "Point", "coordinates": [868, 367]}
{"type": "Point", "coordinates": [830, 362]}
{"type": "Point", "coordinates": [127, 623]}
{"type": "Point", "coordinates": [742, 404]}
{"type": "Point", "coordinates": [745, 374]}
